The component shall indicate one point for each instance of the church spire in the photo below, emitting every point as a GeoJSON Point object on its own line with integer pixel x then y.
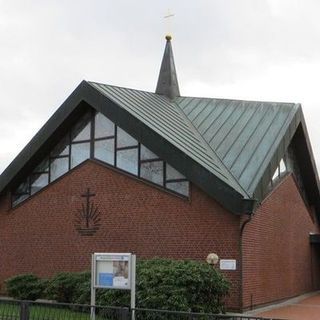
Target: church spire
{"type": "Point", "coordinates": [168, 81]}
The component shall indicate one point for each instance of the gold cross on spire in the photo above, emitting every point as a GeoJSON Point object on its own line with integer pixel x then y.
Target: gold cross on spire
{"type": "Point", "coordinates": [168, 18]}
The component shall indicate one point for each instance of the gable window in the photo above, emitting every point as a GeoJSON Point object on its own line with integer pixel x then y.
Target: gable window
{"type": "Point", "coordinates": [104, 150]}
{"type": "Point", "coordinates": [21, 193]}
{"type": "Point", "coordinates": [82, 130]}
{"type": "Point", "coordinates": [280, 171]}
{"type": "Point", "coordinates": [58, 167]}
{"type": "Point", "coordinates": [127, 160]}
{"type": "Point", "coordinates": [94, 136]}
{"type": "Point", "coordinates": [152, 171]}
{"type": "Point", "coordinates": [79, 153]}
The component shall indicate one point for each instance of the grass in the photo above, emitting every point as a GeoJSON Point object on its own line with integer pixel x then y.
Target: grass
{"type": "Point", "coordinates": [11, 311]}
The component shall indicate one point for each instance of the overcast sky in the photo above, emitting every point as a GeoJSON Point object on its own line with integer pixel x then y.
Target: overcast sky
{"type": "Point", "coordinates": [244, 49]}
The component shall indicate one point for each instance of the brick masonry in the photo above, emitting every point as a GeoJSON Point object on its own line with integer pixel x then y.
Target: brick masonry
{"type": "Point", "coordinates": [278, 260]}
{"type": "Point", "coordinates": [39, 236]}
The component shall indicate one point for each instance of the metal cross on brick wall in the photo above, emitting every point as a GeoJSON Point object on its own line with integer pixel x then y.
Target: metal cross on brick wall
{"type": "Point", "coordinates": [88, 212]}
{"type": "Point", "coordinates": [87, 220]}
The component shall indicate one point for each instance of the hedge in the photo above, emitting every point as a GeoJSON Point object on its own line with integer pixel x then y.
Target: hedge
{"type": "Point", "coordinates": [161, 284]}
{"type": "Point", "coordinates": [64, 286]}
{"type": "Point", "coordinates": [25, 287]}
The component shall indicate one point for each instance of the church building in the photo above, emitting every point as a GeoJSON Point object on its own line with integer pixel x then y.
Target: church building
{"type": "Point", "coordinates": [165, 175]}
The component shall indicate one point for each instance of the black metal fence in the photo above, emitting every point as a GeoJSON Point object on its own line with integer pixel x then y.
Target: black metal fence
{"type": "Point", "coordinates": [30, 310]}
{"type": "Point", "coordinates": [149, 314]}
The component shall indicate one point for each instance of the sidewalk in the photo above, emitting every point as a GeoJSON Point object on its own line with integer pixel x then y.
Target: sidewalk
{"type": "Point", "coordinates": [306, 307]}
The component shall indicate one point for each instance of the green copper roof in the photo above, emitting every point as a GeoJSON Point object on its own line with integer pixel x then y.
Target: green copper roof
{"type": "Point", "coordinates": [244, 134]}
{"type": "Point", "coordinates": [228, 148]}
{"type": "Point", "coordinates": [238, 142]}
{"type": "Point", "coordinates": [168, 120]}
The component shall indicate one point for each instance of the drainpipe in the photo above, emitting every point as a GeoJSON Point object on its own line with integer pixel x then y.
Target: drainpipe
{"type": "Point", "coordinates": [241, 254]}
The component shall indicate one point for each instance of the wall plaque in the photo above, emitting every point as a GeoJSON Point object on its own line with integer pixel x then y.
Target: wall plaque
{"type": "Point", "coordinates": [228, 264]}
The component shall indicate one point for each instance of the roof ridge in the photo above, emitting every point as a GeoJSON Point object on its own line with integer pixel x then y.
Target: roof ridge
{"type": "Point", "coordinates": [242, 100]}
{"type": "Point", "coordinates": [292, 104]}
{"type": "Point", "coordinates": [116, 86]}
{"type": "Point", "coordinates": [212, 152]}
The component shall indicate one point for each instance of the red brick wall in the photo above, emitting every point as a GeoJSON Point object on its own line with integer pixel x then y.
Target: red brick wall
{"type": "Point", "coordinates": [276, 249]}
{"type": "Point", "coordinates": [39, 235]}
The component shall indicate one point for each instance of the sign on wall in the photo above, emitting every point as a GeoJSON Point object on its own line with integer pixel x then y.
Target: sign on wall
{"type": "Point", "coordinates": [228, 264]}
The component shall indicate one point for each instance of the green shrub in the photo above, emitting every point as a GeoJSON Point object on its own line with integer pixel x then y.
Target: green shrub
{"type": "Point", "coordinates": [168, 284]}
{"type": "Point", "coordinates": [25, 287]}
{"type": "Point", "coordinates": [180, 285]}
{"type": "Point", "coordinates": [83, 293]}
{"type": "Point", "coordinates": [161, 284]}
{"type": "Point", "coordinates": [64, 286]}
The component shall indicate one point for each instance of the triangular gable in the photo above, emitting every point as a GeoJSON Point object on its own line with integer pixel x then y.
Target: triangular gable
{"type": "Point", "coordinates": [184, 158]}
{"type": "Point", "coordinates": [251, 137]}
{"type": "Point", "coordinates": [228, 148]}
{"type": "Point", "coordinates": [94, 136]}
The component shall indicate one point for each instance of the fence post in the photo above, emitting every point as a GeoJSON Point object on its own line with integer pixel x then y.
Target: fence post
{"type": "Point", "coordinates": [24, 310]}
{"type": "Point", "coordinates": [124, 314]}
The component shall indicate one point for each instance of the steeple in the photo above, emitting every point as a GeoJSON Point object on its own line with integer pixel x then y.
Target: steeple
{"type": "Point", "coordinates": [168, 81]}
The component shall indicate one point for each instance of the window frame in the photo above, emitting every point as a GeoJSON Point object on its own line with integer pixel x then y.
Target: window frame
{"type": "Point", "coordinates": [91, 114]}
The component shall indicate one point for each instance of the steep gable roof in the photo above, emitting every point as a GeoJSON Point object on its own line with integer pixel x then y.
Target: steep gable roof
{"type": "Point", "coordinates": [244, 134]}
{"type": "Point", "coordinates": [228, 148]}
{"type": "Point", "coordinates": [168, 120]}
